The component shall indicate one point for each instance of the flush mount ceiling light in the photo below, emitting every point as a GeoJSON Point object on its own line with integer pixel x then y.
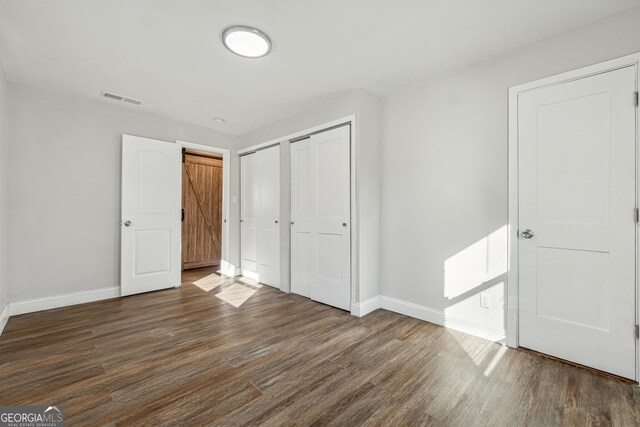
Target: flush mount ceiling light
{"type": "Point", "coordinates": [246, 41]}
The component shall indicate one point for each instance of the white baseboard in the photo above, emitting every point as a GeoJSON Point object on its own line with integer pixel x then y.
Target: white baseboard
{"type": "Point", "coordinates": [412, 310]}
{"type": "Point", "coordinates": [249, 274]}
{"type": "Point", "coordinates": [363, 308]}
{"type": "Point", "coordinates": [476, 328]}
{"type": "Point", "coordinates": [39, 304]}
{"type": "Point", "coordinates": [229, 270]}
{"type": "Point", "coordinates": [4, 317]}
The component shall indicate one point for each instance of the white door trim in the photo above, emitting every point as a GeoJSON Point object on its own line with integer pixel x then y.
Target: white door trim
{"type": "Point", "coordinates": [226, 267]}
{"type": "Point", "coordinates": [513, 190]}
{"type": "Point", "coordinates": [355, 229]}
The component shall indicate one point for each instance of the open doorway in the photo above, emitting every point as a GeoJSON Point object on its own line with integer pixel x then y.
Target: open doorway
{"type": "Point", "coordinates": [205, 211]}
{"type": "Point", "coordinates": [201, 209]}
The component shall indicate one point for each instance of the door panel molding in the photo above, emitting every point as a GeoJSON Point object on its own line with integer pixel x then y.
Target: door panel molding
{"type": "Point", "coordinates": [513, 186]}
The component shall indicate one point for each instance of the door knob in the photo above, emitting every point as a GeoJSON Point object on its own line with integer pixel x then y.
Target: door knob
{"type": "Point", "coordinates": [527, 234]}
{"type": "Point", "coordinates": [276, 221]}
{"type": "Point", "coordinates": [127, 223]}
{"type": "Point", "coordinates": [344, 224]}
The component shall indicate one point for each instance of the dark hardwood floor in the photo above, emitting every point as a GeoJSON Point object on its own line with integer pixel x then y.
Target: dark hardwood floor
{"type": "Point", "coordinates": [230, 352]}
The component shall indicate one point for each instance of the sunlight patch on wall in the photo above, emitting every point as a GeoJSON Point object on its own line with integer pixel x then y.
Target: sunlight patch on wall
{"type": "Point", "coordinates": [484, 260]}
{"type": "Point", "coordinates": [481, 314]}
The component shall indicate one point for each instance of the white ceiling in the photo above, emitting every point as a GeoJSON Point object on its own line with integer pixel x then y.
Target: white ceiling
{"type": "Point", "coordinates": [168, 53]}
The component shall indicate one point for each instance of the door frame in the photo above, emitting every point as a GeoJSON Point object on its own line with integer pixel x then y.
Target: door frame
{"type": "Point", "coordinates": [285, 284]}
{"type": "Point", "coordinates": [513, 185]}
{"type": "Point", "coordinates": [226, 267]}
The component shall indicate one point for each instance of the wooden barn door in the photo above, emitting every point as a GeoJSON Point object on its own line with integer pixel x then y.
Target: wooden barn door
{"type": "Point", "coordinates": [202, 204]}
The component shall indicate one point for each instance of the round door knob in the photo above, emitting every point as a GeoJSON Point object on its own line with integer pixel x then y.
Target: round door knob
{"type": "Point", "coordinates": [127, 223]}
{"type": "Point", "coordinates": [527, 234]}
{"type": "Point", "coordinates": [344, 224]}
{"type": "Point", "coordinates": [276, 221]}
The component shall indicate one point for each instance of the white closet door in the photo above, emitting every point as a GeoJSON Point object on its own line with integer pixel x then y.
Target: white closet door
{"type": "Point", "coordinates": [321, 239]}
{"type": "Point", "coordinates": [577, 196]}
{"type": "Point", "coordinates": [302, 218]}
{"type": "Point", "coordinates": [249, 207]}
{"type": "Point", "coordinates": [268, 216]}
{"type": "Point", "coordinates": [151, 200]}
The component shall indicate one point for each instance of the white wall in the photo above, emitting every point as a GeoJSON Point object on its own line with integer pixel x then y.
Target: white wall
{"type": "Point", "coordinates": [4, 188]}
{"type": "Point", "coordinates": [366, 107]}
{"type": "Point", "coordinates": [444, 180]}
{"type": "Point", "coordinates": [64, 201]}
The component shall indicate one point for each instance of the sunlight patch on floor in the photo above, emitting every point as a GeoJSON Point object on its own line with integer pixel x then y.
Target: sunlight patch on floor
{"type": "Point", "coordinates": [236, 294]}
{"type": "Point", "coordinates": [496, 359]}
{"type": "Point", "coordinates": [210, 282]}
{"type": "Point", "coordinates": [476, 349]}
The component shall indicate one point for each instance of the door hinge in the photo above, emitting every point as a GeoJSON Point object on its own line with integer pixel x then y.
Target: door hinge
{"type": "Point", "coordinates": [635, 99]}
{"type": "Point", "coordinates": [182, 215]}
{"type": "Point", "coordinates": [184, 153]}
{"type": "Point", "coordinates": [637, 331]}
{"type": "Point", "coordinates": [636, 215]}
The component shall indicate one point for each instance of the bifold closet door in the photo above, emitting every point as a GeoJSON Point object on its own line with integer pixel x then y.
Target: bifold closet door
{"type": "Point", "coordinates": [249, 204]}
{"type": "Point", "coordinates": [268, 216]}
{"type": "Point", "coordinates": [260, 208]}
{"type": "Point", "coordinates": [320, 215]}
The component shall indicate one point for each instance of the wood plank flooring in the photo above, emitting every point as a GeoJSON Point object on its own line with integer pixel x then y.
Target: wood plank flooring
{"type": "Point", "coordinates": [229, 352]}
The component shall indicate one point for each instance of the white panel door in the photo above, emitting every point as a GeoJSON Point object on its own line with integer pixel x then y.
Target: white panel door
{"type": "Point", "coordinates": [268, 243]}
{"type": "Point", "coordinates": [150, 226]}
{"type": "Point", "coordinates": [321, 239]}
{"type": "Point", "coordinates": [249, 206]}
{"type": "Point", "coordinates": [577, 196]}
{"type": "Point", "coordinates": [302, 218]}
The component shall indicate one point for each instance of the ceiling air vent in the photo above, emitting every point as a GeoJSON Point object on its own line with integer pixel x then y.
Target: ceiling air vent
{"type": "Point", "coordinates": [121, 98]}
